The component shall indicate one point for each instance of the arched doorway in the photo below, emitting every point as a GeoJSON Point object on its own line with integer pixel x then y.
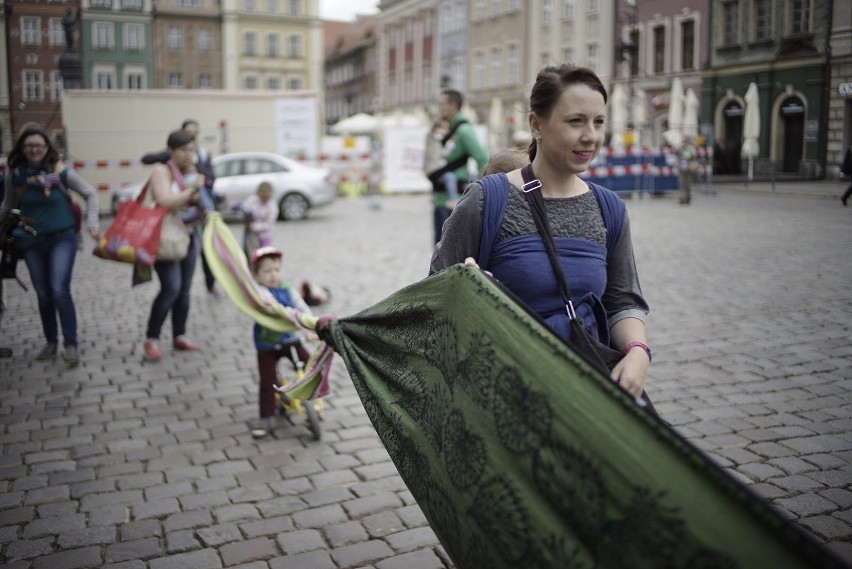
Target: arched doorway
{"type": "Point", "coordinates": [793, 121]}
{"type": "Point", "coordinates": [727, 158]}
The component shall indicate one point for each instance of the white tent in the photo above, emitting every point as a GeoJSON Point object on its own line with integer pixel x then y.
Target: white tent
{"type": "Point", "coordinates": [751, 128]}
{"type": "Point", "coordinates": [360, 123]}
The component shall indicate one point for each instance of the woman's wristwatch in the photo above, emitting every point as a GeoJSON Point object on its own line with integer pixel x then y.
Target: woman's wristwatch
{"type": "Point", "coordinates": [642, 345]}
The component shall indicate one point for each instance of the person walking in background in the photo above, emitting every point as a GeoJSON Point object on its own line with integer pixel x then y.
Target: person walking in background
{"type": "Point", "coordinates": [589, 225]}
{"type": "Point", "coordinates": [687, 162]}
{"type": "Point", "coordinates": [204, 166]}
{"type": "Point", "coordinates": [261, 213]}
{"type": "Point", "coordinates": [177, 189]}
{"type": "Point", "coordinates": [846, 170]}
{"type": "Point", "coordinates": [37, 183]}
{"type": "Point", "coordinates": [466, 145]}
{"type": "Point", "coordinates": [271, 346]}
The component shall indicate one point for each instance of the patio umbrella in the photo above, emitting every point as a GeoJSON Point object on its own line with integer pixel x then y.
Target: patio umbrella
{"type": "Point", "coordinates": [640, 113]}
{"type": "Point", "coordinates": [674, 135]}
{"type": "Point", "coordinates": [496, 124]}
{"type": "Point", "coordinates": [618, 114]}
{"type": "Point", "coordinates": [751, 127]}
{"type": "Point", "coordinates": [690, 115]}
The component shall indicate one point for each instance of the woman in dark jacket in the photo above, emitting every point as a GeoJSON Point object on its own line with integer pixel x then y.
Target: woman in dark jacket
{"type": "Point", "coordinates": [37, 184]}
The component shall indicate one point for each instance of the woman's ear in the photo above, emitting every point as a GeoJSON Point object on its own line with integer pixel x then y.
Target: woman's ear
{"type": "Point", "coordinates": [534, 125]}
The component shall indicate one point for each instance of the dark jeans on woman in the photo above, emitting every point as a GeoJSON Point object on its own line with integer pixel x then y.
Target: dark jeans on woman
{"type": "Point", "coordinates": [50, 263]}
{"type": "Point", "coordinates": [267, 364]}
{"type": "Point", "coordinates": [175, 282]}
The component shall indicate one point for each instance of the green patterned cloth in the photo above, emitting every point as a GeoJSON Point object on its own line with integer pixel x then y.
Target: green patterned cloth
{"type": "Point", "coordinates": [521, 455]}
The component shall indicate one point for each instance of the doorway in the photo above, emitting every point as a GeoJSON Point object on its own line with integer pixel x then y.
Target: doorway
{"type": "Point", "coordinates": [727, 158]}
{"type": "Point", "coordinates": [793, 121]}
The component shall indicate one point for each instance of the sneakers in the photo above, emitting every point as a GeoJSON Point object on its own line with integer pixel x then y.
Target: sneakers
{"type": "Point", "coordinates": [71, 355]}
{"type": "Point", "coordinates": [262, 427]}
{"type": "Point", "coordinates": [48, 352]}
{"type": "Point", "coordinates": [185, 344]}
{"type": "Point", "coordinates": [215, 291]}
{"type": "Point", "coordinates": [152, 350]}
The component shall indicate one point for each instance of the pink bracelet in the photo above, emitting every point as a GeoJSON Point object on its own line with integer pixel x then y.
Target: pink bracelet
{"type": "Point", "coordinates": [642, 345]}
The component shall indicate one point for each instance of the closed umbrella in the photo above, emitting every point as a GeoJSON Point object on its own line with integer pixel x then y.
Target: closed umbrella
{"type": "Point", "coordinates": [617, 114]}
{"type": "Point", "coordinates": [751, 128]}
{"type": "Point", "coordinates": [690, 115]}
{"type": "Point", "coordinates": [496, 124]}
{"type": "Point", "coordinates": [674, 135]}
{"type": "Point", "coordinates": [640, 113]}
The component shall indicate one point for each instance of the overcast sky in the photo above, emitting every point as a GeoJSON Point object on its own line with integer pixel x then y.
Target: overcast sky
{"type": "Point", "coordinates": [346, 9]}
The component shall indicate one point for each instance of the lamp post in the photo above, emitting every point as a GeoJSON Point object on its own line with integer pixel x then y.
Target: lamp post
{"type": "Point", "coordinates": [628, 51]}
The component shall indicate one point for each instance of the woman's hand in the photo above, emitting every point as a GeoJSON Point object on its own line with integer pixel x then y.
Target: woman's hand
{"type": "Point", "coordinates": [631, 372]}
{"type": "Point", "coordinates": [96, 235]}
{"type": "Point", "coordinates": [471, 262]}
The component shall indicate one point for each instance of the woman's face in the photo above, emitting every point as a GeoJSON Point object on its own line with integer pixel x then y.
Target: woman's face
{"type": "Point", "coordinates": [35, 148]}
{"type": "Point", "coordinates": [183, 156]}
{"type": "Point", "coordinates": [573, 133]}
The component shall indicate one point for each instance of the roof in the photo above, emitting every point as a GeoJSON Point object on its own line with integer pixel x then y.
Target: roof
{"type": "Point", "coordinates": [341, 37]}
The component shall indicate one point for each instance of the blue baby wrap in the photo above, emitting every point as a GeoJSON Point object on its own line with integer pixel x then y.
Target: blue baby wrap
{"type": "Point", "coordinates": [522, 265]}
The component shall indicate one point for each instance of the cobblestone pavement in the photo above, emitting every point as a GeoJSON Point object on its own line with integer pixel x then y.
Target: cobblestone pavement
{"type": "Point", "coordinates": [129, 465]}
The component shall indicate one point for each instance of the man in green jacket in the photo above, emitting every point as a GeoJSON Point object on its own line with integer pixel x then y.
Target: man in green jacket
{"type": "Point", "coordinates": [465, 145]}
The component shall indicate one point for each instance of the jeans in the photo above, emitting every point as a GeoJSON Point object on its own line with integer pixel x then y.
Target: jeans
{"type": "Point", "coordinates": [50, 263]}
{"type": "Point", "coordinates": [175, 282]}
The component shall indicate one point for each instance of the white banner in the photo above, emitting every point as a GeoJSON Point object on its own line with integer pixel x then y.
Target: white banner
{"type": "Point", "coordinates": [403, 150]}
{"type": "Point", "coordinates": [296, 127]}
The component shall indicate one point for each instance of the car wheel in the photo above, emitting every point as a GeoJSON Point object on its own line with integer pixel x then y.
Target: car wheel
{"type": "Point", "coordinates": [294, 207]}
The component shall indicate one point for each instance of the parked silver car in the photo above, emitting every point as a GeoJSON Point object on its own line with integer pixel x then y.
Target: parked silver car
{"type": "Point", "coordinates": [296, 187]}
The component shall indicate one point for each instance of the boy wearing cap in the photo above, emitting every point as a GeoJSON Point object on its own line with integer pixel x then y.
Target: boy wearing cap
{"type": "Point", "coordinates": [271, 345]}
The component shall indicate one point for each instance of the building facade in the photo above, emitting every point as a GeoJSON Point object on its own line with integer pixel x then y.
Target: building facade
{"type": "Point", "coordinates": [839, 126]}
{"type": "Point", "coordinates": [6, 139]}
{"type": "Point", "coordinates": [187, 44]}
{"type": "Point", "coordinates": [350, 68]}
{"type": "Point", "coordinates": [781, 46]}
{"type": "Point", "coordinates": [117, 48]}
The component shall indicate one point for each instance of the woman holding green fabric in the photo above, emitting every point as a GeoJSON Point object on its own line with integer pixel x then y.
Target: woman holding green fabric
{"type": "Point", "coordinates": [37, 184]}
{"type": "Point", "coordinates": [589, 225]}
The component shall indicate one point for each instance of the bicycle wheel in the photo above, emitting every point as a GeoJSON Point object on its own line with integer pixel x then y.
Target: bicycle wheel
{"type": "Point", "coordinates": [313, 420]}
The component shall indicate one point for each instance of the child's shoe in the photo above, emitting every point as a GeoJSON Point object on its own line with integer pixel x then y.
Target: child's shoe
{"type": "Point", "coordinates": [262, 427]}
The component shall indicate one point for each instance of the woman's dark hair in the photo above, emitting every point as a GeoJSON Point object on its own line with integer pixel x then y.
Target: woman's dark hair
{"type": "Point", "coordinates": [550, 83]}
{"type": "Point", "coordinates": [178, 138]}
{"type": "Point", "coordinates": [17, 157]}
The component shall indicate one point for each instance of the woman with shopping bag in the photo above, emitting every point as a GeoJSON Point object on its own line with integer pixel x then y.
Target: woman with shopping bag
{"type": "Point", "coordinates": [176, 186]}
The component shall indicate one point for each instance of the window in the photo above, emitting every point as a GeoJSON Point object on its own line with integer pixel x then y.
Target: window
{"type": "Point", "coordinates": [205, 40]}
{"type": "Point", "coordinates": [295, 48]}
{"type": "Point", "coordinates": [762, 20]}
{"type": "Point", "coordinates": [273, 84]}
{"type": "Point", "coordinates": [479, 71]}
{"type": "Point", "coordinates": [295, 7]}
{"type": "Point", "coordinates": [568, 56]}
{"type": "Point", "coordinates": [135, 81]}
{"type": "Point", "coordinates": [250, 44]}
{"type": "Point", "coordinates": [478, 10]}
{"type": "Point", "coordinates": [188, 3]}
{"type": "Point", "coordinates": [659, 49]}
{"type": "Point", "coordinates": [103, 35]}
{"type": "Point", "coordinates": [494, 80]}
{"type": "Point", "coordinates": [131, 5]}
{"type": "Point", "coordinates": [594, 6]}
{"type": "Point", "coordinates": [513, 65]}
{"type": "Point", "coordinates": [496, 8]}
{"type": "Point", "coordinates": [261, 166]}
{"type": "Point", "coordinates": [295, 84]}
{"type": "Point", "coordinates": [101, 4]}
{"type": "Point", "coordinates": [33, 85]}
{"type": "Point", "coordinates": [248, 5]}
{"type": "Point", "coordinates": [30, 31]}
{"type": "Point", "coordinates": [634, 57]}
{"type": "Point", "coordinates": [730, 11]}
{"type": "Point", "coordinates": [175, 80]}
{"type": "Point", "coordinates": [272, 6]}
{"type": "Point", "coordinates": [174, 38]}
{"type": "Point", "coordinates": [545, 59]}
{"type": "Point", "coordinates": [546, 12]}
{"type": "Point", "coordinates": [250, 82]}
{"type": "Point", "coordinates": [568, 9]}
{"type": "Point", "coordinates": [800, 16]}
{"type": "Point", "coordinates": [134, 37]}
{"type": "Point", "coordinates": [273, 45]}
{"type": "Point", "coordinates": [514, 6]}
{"type": "Point", "coordinates": [687, 38]}
{"type": "Point", "coordinates": [56, 85]}
{"type": "Point", "coordinates": [205, 81]}
{"type": "Point", "coordinates": [104, 77]}
{"type": "Point", "coordinates": [56, 35]}
{"type": "Point", "coordinates": [594, 57]}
